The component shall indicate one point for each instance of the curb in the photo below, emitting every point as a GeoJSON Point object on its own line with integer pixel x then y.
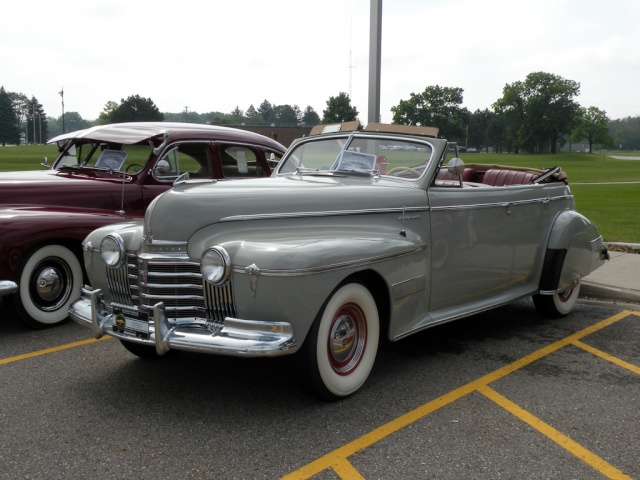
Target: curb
{"type": "Point", "coordinates": [592, 290]}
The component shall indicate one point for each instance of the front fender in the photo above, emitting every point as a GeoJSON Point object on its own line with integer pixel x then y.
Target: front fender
{"type": "Point", "coordinates": [23, 228]}
{"type": "Point", "coordinates": [574, 250]}
{"type": "Point", "coordinates": [288, 272]}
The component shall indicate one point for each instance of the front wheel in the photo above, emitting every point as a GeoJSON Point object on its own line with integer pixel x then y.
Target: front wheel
{"type": "Point", "coordinates": [343, 342]}
{"type": "Point", "coordinates": [49, 280]}
{"type": "Point", "coordinates": [557, 305]}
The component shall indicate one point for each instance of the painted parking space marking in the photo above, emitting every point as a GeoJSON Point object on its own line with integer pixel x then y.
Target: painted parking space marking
{"type": "Point", "coordinates": [66, 346]}
{"type": "Point", "coordinates": [338, 460]}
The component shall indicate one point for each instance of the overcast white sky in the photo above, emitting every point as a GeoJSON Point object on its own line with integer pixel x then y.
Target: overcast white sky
{"type": "Point", "coordinates": [215, 55]}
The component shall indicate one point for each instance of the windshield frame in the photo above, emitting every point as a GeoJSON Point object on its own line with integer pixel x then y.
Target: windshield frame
{"type": "Point", "coordinates": [397, 152]}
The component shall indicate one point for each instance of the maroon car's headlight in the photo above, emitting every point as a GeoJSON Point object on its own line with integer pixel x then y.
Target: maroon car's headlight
{"type": "Point", "coordinates": [215, 265]}
{"type": "Point", "coordinates": [112, 250]}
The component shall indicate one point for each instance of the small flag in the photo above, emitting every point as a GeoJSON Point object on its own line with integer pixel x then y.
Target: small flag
{"type": "Point", "coordinates": [61, 93]}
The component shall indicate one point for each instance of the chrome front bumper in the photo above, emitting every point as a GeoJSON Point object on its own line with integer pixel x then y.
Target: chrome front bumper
{"type": "Point", "coordinates": [7, 287]}
{"type": "Point", "coordinates": [237, 337]}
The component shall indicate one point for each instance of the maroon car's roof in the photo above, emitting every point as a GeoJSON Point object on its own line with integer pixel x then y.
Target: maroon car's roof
{"type": "Point", "coordinates": [134, 132]}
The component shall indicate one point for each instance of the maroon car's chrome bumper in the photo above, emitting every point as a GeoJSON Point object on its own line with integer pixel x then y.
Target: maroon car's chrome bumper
{"type": "Point", "coordinates": [236, 337]}
{"type": "Point", "coordinates": [7, 287]}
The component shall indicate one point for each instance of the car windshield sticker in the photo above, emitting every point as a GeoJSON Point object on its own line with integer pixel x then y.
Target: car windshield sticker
{"type": "Point", "coordinates": [355, 161]}
{"type": "Point", "coordinates": [111, 159]}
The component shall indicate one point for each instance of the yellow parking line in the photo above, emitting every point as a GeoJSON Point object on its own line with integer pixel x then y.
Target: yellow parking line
{"type": "Point", "coordinates": [551, 433]}
{"type": "Point", "coordinates": [607, 357]}
{"type": "Point", "coordinates": [24, 356]}
{"type": "Point", "coordinates": [339, 456]}
{"type": "Point", "coordinates": [346, 471]}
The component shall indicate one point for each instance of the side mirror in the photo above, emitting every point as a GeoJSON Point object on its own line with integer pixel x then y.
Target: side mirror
{"type": "Point", "coordinates": [455, 166]}
{"type": "Point", "coordinates": [162, 167]}
{"type": "Point", "coordinates": [45, 163]}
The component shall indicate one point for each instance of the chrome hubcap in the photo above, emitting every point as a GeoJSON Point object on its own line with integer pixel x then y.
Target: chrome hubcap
{"type": "Point", "coordinates": [347, 339]}
{"type": "Point", "coordinates": [48, 284]}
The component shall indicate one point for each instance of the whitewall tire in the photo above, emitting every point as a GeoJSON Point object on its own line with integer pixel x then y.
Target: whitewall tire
{"type": "Point", "coordinates": [559, 304]}
{"type": "Point", "coordinates": [48, 281]}
{"type": "Point", "coordinates": [343, 342]}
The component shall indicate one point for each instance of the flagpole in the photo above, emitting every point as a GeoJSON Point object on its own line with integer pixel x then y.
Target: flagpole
{"type": "Point", "coordinates": [61, 92]}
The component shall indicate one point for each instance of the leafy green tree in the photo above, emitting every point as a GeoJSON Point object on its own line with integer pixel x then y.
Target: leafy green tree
{"type": "Point", "coordinates": [135, 109]}
{"type": "Point", "coordinates": [435, 107]}
{"type": "Point", "coordinates": [9, 126]}
{"type": "Point", "coordinates": [496, 134]}
{"type": "Point", "coordinates": [72, 122]}
{"type": "Point", "coordinates": [36, 126]}
{"type": "Point", "coordinates": [108, 109]}
{"type": "Point", "coordinates": [236, 116]}
{"type": "Point", "coordinates": [339, 109]}
{"type": "Point", "coordinates": [252, 114]}
{"type": "Point", "coordinates": [266, 112]}
{"type": "Point", "coordinates": [540, 111]}
{"type": "Point", "coordinates": [285, 115]}
{"type": "Point", "coordinates": [593, 126]}
{"type": "Point", "coordinates": [626, 133]}
{"type": "Point", "coordinates": [310, 117]}
{"type": "Point", "coordinates": [478, 128]}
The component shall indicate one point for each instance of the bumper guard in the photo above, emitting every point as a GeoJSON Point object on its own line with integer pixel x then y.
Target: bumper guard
{"type": "Point", "coordinates": [236, 337]}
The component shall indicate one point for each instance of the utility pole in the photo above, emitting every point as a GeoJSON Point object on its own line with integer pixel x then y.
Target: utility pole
{"type": "Point", "coordinates": [375, 42]}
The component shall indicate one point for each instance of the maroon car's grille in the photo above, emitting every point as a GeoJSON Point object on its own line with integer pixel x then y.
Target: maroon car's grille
{"type": "Point", "coordinates": [175, 281]}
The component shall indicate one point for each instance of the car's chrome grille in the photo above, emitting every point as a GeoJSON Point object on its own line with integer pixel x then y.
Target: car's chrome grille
{"type": "Point", "coordinates": [174, 280]}
{"type": "Point", "coordinates": [123, 282]}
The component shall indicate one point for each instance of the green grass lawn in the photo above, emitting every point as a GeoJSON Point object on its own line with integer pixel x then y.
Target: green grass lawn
{"type": "Point", "coordinates": [614, 208]}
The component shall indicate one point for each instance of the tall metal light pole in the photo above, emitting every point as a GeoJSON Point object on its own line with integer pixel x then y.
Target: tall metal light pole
{"type": "Point", "coordinates": [375, 43]}
{"type": "Point", "coordinates": [61, 92]}
{"type": "Point", "coordinates": [33, 107]}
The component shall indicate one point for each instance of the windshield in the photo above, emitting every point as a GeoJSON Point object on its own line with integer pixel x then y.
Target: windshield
{"type": "Point", "coordinates": [359, 154]}
{"type": "Point", "coordinates": [103, 155]}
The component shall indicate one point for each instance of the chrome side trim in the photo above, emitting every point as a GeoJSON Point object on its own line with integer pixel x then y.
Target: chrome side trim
{"type": "Point", "coordinates": [457, 317]}
{"type": "Point", "coordinates": [331, 268]}
{"type": "Point", "coordinates": [500, 204]}
{"type": "Point", "coordinates": [335, 213]}
{"type": "Point", "coordinates": [408, 287]}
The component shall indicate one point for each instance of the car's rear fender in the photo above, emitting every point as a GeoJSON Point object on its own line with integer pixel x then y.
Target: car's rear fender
{"type": "Point", "coordinates": [574, 250]}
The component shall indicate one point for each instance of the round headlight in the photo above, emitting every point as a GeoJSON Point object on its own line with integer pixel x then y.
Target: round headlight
{"type": "Point", "coordinates": [215, 265]}
{"type": "Point", "coordinates": [112, 250]}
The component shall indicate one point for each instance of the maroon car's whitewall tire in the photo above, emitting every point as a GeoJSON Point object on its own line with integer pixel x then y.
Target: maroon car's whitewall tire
{"type": "Point", "coordinates": [343, 342]}
{"type": "Point", "coordinates": [49, 280]}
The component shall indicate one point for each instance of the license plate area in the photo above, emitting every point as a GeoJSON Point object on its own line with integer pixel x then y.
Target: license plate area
{"type": "Point", "coordinates": [134, 323]}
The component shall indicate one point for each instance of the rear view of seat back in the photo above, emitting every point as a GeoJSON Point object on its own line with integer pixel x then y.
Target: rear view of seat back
{"type": "Point", "coordinates": [499, 178]}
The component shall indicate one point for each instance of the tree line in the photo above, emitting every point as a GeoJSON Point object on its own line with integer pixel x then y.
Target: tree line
{"type": "Point", "coordinates": [538, 114]}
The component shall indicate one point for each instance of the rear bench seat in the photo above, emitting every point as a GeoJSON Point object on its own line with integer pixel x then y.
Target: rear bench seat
{"type": "Point", "coordinates": [499, 178]}
{"type": "Point", "coordinates": [495, 177]}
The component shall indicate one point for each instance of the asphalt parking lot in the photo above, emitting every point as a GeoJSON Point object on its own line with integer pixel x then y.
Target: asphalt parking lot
{"type": "Point", "coordinates": [504, 394]}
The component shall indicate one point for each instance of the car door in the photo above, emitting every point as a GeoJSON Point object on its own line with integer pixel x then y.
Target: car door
{"type": "Point", "coordinates": [471, 248]}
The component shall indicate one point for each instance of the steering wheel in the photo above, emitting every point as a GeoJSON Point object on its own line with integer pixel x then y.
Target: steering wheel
{"type": "Point", "coordinates": [134, 166]}
{"type": "Point", "coordinates": [404, 169]}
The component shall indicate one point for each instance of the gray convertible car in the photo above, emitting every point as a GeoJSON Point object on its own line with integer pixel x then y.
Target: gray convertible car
{"type": "Point", "coordinates": [359, 234]}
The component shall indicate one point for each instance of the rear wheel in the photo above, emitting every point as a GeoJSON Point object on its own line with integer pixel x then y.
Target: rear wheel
{"type": "Point", "coordinates": [49, 280]}
{"type": "Point", "coordinates": [557, 305]}
{"type": "Point", "coordinates": [343, 342]}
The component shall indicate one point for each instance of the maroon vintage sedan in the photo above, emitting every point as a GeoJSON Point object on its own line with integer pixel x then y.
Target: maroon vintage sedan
{"type": "Point", "coordinates": [103, 175]}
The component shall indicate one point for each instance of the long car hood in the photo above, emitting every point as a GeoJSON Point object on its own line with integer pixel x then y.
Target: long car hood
{"type": "Point", "coordinates": [71, 188]}
{"type": "Point", "coordinates": [180, 212]}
